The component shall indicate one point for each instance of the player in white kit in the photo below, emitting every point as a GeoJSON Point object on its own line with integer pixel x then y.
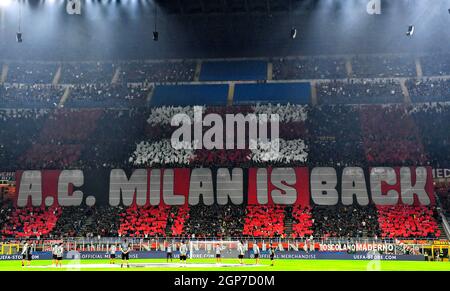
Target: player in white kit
{"type": "Point", "coordinates": [112, 254]}
{"type": "Point", "coordinates": [256, 252]}
{"type": "Point", "coordinates": [218, 254]}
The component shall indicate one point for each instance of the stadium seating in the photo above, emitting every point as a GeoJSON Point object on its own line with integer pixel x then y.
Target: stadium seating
{"type": "Point", "coordinates": [103, 125]}
{"type": "Point", "coordinates": [214, 221]}
{"type": "Point", "coordinates": [407, 221]}
{"type": "Point", "coordinates": [309, 68]}
{"type": "Point", "coordinates": [87, 73]}
{"type": "Point", "coordinates": [30, 96]}
{"type": "Point", "coordinates": [31, 73]}
{"type": "Point", "coordinates": [345, 221]}
{"type": "Point", "coordinates": [144, 221]}
{"type": "Point", "coordinates": [161, 72]}
{"type": "Point", "coordinates": [391, 136]}
{"type": "Point", "coordinates": [264, 221]}
{"type": "Point", "coordinates": [432, 122]}
{"type": "Point", "coordinates": [303, 222]}
{"type": "Point", "coordinates": [85, 221]}
{"type": "Point", "coordinates": [31, 222]}
{"type": "Point", "coordinates": [429, 90]}
{"type": "Point", "coordinates": [383, 66]}
{"type": "Point", "coordinates": [61, 140]}
{"type": "Point", "coordinates": [178, 219]}
{"type": "Point", "coordinates": [109, 96]}
{"type": "Point", "coordinates": [339, 92]}
{"type": "Point", "coordinates": [436, 64]}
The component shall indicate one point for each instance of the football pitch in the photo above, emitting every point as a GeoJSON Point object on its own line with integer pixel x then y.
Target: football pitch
{"type": "Point", "coordinates": [229, 265]}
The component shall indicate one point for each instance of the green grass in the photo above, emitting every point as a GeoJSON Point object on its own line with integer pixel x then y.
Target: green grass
{"type": "Point", "coordinates": [280, 265]}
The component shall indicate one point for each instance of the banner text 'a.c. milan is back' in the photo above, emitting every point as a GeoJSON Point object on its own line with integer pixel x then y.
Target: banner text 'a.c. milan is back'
{"type": "Point", "coordinates": [181, 186]}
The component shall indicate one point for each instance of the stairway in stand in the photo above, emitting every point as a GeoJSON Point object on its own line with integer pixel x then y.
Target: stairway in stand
{"type": "Point", "coordinates": [170, 221]}
{"type": "Point", "coordinates": [288, 221]}
{"type": "Point", "coordinates": [441, 228]}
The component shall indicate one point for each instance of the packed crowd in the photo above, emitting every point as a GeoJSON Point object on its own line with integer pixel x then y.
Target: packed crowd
{"type": "Point", "coordinates": [383, 66]}
{"type": "Point", "coordinates": [31, 222]}
{"type": "Point", "coordinates": [309, 68]}
{"type": "Point", "coordinates": [391, 136]}
{"type": "Point", "coordinates": [345, 221]}
{"type": "Point", "coordinates": [160, 72]}
{"type": "Point", "coordinates": [408, 221]}
{"type": "Point", "coordinates": [104, 95]}
{"type": "Point", "coordinates": [215, 221]}
{"type": "Point", "coordinates": [19, 129]}
{"type": "Point", "coordinates": [60, 141]}
{"type": "Point", "coordinates": [144, 221]}
{"type": "Point", "coordinates": [335, 136]}
{"type": "Point", "coordinates": [30, 96]}
{"type": "Point", "coordinates": [362, 92]}
{"type": "Point", "coordinates": [436, 65]}
{"type": "Point", "coordinates": [264, 221]}
{"type": "Point", "coordinates": [432, 122]}
{"type": "Point", "coordinates": [6, 209]}
{"type": "Point", "coordinates": [324, 135]}
{"type": "Point", "coordinates": [429, 90]}
{"type": "Point", "coordinates": [303, 222]}
{"type": "Point", "coordinates": [31, 73]}
{"type": "Point", "coordinates": [85, 221]}
{"type": "Point", "coordinates": [87, 73]}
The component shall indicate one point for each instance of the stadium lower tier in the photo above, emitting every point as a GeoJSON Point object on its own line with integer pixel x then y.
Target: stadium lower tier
{"type": "Point", "coordinates": [199, 221]}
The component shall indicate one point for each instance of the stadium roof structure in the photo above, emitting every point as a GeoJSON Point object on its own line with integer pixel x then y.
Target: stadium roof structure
{"type": "Point", "coordinates": [233, 6]}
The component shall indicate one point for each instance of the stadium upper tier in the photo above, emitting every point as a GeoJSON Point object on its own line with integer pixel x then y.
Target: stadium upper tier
{"type": "Point", "coordinates": [371, 79]}
{"type": "Point", "coordinates": [323, 135]}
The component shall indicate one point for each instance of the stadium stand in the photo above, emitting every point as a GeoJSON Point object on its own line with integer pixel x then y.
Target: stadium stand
{"type": "Point", "coordinates": [436, 64]}
{"type": "Point", "coordinates": [31, 73]}
{"type": "Point", "coordinates": [309, 68]}
{"type": "Point", "coordinates": [5, 212]}
{"type": "Point", "coordinates": [345, 221]}
{"type": "Point", "coordinates": [102, 125]}
{"type": "Point", "coordinates": [303, 222]}
{"type": "Point", "coordinates": [264, 221]}
{"type": "Point", "coordinates": [144, 221]}
{"type": "Point", "coordinates": [337, 92]}
{"type": "Point", "coordinates": [87, 73]}
{"type": "Point", "coordinates": [15, 123]}
{"type": "Point", "coordinates": [331, 141]}
{"type": "Point", "coordinates": [407, 221]}
{"type": "Point", "coordinates": [160, 72]}
{"type": "Point", "coordinates": [30, 96]}
{"type": "Point", "coordinates": [60, 142]}
{"type": "Point", "coordinates": [177, 220]}
{"type": "Point", "coordinates": [109, 96]}
{"type": "Point", "coordinates": [215, 221]}
{"type": "Point", "coordinates": [31, 222]}
{"type": "Point", "coordinates": [391, 136]}
{"type": "Point", "coordinates": [383, 66]}
{"type": "Point", "coordinates": [86, 221]}
{"type": "Point", "coordinates": [429, 90]}
{"type": "Point", "coordinates": [432, 121]}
